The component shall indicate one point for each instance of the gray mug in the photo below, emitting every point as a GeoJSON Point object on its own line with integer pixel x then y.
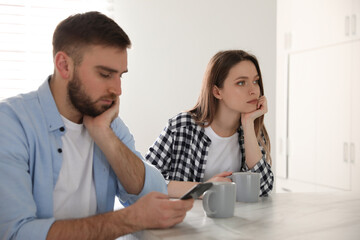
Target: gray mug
{"type": "Point", "coordinates": [247, 186]}
{"type": "Point", "coordinates": [219, 200]}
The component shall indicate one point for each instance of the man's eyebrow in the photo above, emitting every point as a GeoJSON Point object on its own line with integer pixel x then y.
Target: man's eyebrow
{"type": "Point", "coordinates": [107, 69]}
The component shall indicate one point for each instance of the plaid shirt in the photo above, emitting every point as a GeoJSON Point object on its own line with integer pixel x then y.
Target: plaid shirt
{"type": "Point", "coordinates": [180, 153]}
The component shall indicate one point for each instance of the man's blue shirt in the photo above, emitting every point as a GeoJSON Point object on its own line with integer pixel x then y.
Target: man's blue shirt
{"type": "Point", "coordinates": [30, 161]}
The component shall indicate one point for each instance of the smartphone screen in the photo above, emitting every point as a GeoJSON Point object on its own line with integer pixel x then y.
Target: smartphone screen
{"type": "Point", "coordinates": [197, 191]}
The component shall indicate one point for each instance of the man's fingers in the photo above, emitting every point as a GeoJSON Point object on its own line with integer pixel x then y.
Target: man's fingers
{"type": "Point", "coordinates": [182, 205]}
{"type": "Point", "coordinates": [160, 212]}
{"type": "Point", "coordinates": [172, 221]}
{"type": "Point", "coordinates": [178, 219]}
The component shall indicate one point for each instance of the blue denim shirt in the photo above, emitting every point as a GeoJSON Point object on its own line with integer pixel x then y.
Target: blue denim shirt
{"type": "Point", "coordinates": [30, 162]}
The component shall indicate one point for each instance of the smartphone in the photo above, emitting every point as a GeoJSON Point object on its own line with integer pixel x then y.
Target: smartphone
{"type": "Point", "coordinates": [197, 190]}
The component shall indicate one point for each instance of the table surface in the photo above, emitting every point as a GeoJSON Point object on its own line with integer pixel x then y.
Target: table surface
{"type": "Point", "coordinates": [280, 216]}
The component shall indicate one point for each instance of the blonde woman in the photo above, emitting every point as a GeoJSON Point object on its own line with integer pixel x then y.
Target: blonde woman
{"type": "Point", "coordinates": [223, 133]}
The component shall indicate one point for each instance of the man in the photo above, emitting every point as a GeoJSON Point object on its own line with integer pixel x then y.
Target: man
{"type": "Point", "coordinates": [65, 153]}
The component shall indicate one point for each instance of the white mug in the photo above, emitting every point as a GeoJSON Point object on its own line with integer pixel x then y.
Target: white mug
{"type": "Point", "coordinates": [219, 200]}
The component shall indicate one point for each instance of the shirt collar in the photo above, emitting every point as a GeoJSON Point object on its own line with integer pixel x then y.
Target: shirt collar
{"type": "Point", "coordinates": [48, 105]}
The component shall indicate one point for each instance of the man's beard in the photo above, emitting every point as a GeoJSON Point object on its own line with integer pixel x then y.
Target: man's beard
{"type": "Point", "coordinates": [81, 101]}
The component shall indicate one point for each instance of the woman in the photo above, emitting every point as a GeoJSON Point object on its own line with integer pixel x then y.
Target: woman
{"type": "Point", "coordinates": [226, 123]}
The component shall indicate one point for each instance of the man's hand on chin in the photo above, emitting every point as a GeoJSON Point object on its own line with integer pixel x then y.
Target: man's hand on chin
{"type": "Point", "coordinates": [100, 124]}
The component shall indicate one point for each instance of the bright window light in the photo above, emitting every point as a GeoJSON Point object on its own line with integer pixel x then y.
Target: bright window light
{"type": "Point", "coordinates": [26, 28]}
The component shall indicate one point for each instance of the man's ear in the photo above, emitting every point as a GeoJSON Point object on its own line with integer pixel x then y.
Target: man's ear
{"type": "Point", "coordinates": [64, 65]}
{"type": "Point", "coordinates": [216, 92]}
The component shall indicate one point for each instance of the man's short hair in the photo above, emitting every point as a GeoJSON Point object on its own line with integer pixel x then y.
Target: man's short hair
{"type": "Point", "coordinates": [79, 31]}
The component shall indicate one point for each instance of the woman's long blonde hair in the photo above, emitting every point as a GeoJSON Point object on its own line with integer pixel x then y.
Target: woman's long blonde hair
{"type": "Point", "coordinates": [217, 70]}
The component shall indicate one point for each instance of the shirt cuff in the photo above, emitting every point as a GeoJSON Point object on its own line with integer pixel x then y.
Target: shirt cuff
{"type": "Point", "coordinates": [35, 229]}
{"type": "Point", "coordinates": [258, 165]}
{"type": "Point", "coordinates": [154, 182]}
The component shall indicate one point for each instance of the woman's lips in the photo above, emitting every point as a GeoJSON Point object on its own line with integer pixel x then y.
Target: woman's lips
{"type": "Point", "coordinates": [254, 101]}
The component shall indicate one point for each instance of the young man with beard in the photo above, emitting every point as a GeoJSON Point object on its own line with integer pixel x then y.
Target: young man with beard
{"type": "Point", "coordinates": [65, 154]}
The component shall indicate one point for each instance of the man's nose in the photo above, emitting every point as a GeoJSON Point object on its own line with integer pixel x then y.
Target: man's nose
{"type": "Point", "coordinates": [115, 87]}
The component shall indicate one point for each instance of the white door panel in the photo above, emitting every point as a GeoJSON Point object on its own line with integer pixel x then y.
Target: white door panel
{"type": "Point", "coordinates": [319, 115]}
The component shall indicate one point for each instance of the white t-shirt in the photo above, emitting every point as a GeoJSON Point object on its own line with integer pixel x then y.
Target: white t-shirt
{"type": "Point", "coordinates": [74, 193]}
{"type": "Point", "coordinates": [224, 154]}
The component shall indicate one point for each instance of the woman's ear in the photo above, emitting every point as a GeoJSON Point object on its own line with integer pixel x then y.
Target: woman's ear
{"type": "Point", "coordinates": [63, 65]}
{"type": "Point", "coordinates": [216, 92]}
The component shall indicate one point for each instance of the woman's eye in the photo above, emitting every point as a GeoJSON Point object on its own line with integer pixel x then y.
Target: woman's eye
{"type": "Point", "coordinates": [242, 83]}
{"type": "Point", "coordinates": [256, 82]}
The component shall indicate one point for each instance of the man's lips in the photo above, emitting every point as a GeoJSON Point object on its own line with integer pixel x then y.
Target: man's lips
{"type": "Point", "coordinates": [254, 101]}
{"type": "Point", "coordinates": [107, 101]}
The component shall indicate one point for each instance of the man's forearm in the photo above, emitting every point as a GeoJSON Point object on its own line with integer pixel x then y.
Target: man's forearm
{"type": "Point", "coordinates": [104, 226]}
{"type": "Point", "coordinates": [129, 169]}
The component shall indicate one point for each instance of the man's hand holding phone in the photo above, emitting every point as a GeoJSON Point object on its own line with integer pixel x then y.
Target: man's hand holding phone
{"type": "Point", "coordinates": [196, 191]}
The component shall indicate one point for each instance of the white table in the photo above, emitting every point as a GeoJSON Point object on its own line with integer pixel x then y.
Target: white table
{"type": "Point", "coordinates": [281, 216]}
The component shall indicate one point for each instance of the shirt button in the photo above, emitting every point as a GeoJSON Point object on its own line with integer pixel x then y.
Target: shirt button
{"type": "Point", "coordinates": [59, 150]}
{"type": "Point", "coordinates": [62, 129]}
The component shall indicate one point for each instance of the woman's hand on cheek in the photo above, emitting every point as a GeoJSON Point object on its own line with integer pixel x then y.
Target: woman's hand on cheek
{"type": "Point", "coordinates": [261, 110]}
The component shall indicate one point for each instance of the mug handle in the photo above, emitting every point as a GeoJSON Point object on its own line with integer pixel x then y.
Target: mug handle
{"type": "Point", "coordinates": [206, 198]}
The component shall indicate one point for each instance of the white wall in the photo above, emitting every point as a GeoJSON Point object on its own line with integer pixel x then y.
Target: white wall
{"type": "Point", "coordinates": [172, 44]}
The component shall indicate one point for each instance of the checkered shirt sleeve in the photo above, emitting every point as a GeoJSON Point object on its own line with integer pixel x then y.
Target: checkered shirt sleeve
{"type": "Point", "coordinates": [181, 149]}
{"type": "Point", "coordinates": [160, 153]}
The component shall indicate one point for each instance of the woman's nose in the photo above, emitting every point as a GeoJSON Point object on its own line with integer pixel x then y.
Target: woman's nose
{"type": "Point", "coordinates": [252, 90]}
